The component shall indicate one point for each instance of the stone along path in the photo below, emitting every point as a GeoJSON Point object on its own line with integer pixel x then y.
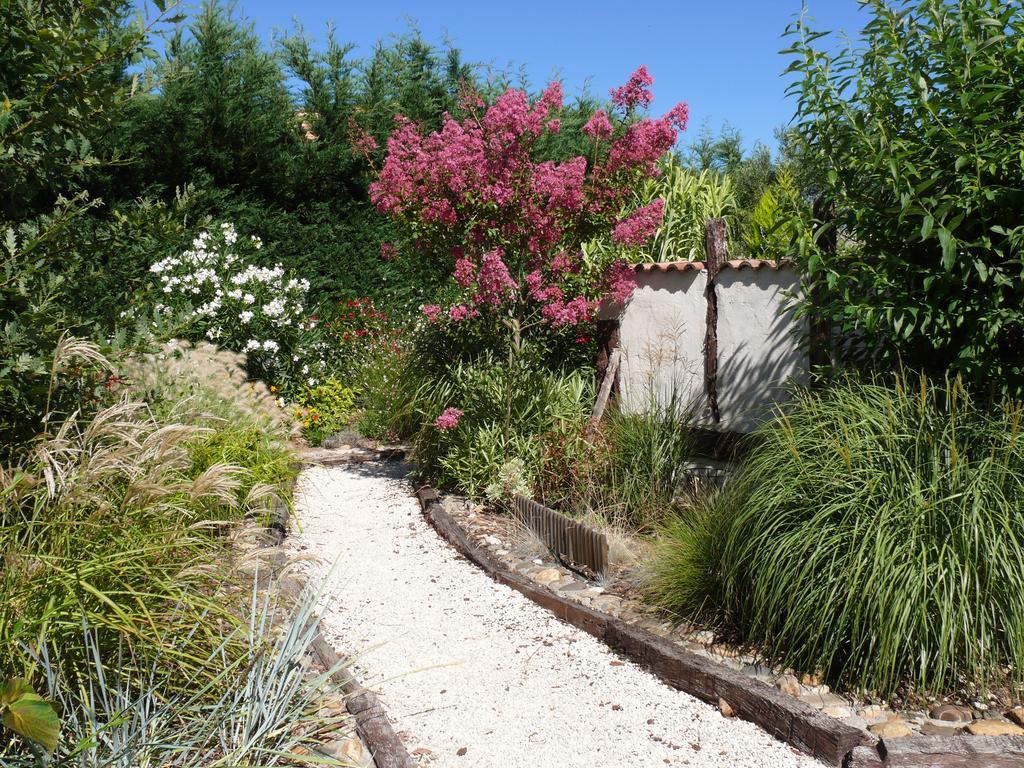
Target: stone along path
{"type": "Point", "coordinates": [472, 673]}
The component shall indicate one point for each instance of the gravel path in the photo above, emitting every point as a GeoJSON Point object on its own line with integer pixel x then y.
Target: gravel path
{"type": "Point", "coordinates": [472, 673]}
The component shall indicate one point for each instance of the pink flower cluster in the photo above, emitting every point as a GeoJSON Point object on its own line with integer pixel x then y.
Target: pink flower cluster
{"type": "Point", "coordinates": [449, 419]}
{"type": "Point", "coordinates": [512, 227]}
{"type": "Point", "coordinates": [599, 126]}
{"type": "Point", "coordinates": [646, 141]}
{"type": "Point", "coordinates": [637, 228]}
{"type": "Point", "coordinates": [619, 281]}
{"type": "Point", "coordinates": [636, 92]}
{"type": "Point", "coordinates": [572, 312]}
{"type": "Point", "coordinates": [360, 140]}
{"type": "Point", "coordinates": [460, 312]}
{"type": "Point", "coordinates": [493, 280]}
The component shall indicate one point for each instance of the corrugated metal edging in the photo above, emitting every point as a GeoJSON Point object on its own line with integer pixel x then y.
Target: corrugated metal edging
{"type": "Point", "coordinates": [698, 266]}
{"type": "Point", "coordinates": [576, 543]}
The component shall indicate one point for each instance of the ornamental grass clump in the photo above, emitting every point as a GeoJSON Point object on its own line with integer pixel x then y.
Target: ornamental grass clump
{"type": "Point", "coordinates": [874, 534]}
{"type": "Point", "coordinates": [254, 701]}
{"type": "Point", "coordinates": [123, 519]}
{"type": "Point", "coordinates": [630, 473]}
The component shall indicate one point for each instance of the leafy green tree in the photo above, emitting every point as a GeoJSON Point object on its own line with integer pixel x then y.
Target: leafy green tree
{"type": "Point", "coordinates": [61, 72]}
{"type": "Point", "coordinates": [920, 132]}
{"type": "Point", "coordinates": [217, 108]}
{"type": "Point", "coordinates": [61, 79]}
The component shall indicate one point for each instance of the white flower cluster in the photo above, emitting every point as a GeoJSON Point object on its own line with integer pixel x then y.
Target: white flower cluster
{"type": "Point", "coordinates": [255, 309]}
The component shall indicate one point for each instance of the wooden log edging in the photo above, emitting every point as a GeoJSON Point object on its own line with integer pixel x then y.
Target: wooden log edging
{"type": "Point", "coordinates": [371, 720]}
{"type": "Point", "coordinates": [785, 717]}
{"type": "Point", "coordinates": [947, 752]}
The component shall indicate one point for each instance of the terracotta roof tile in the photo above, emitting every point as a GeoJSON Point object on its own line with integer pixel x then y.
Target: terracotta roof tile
{"type": "Point", "coordinates": [697, 266]}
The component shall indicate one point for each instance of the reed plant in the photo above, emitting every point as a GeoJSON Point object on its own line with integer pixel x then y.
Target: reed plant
{"type": "Point", "coordinates": [874, 534]}
{"type": "Point", "coordinates": [691, 197]}
{"type": "Point", "coordinates": [122, 520]}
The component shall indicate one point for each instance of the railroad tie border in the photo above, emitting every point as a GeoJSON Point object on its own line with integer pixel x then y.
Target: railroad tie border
{"type": "Point", "coordinates": [372, 723]}
{"type": "Point", "coordinates": [784, 717]}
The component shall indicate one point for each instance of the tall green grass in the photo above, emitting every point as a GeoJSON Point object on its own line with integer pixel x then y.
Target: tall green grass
{"type": "Point", "coordinates": [874, 534]}
{"type": "Point", "coordinates": [122, 519]}
{"type": "Point", "coordinates": [253, 703]}
{"type": "Point", "coordinates": [629, 472]}
{"type": "Point", "coordinates": [646, 454]}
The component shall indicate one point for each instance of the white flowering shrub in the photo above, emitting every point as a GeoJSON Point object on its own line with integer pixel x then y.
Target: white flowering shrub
{"type": "Point", "coordinates": [232, 302]}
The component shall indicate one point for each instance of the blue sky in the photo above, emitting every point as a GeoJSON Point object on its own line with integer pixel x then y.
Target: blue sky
{"type": "Point", "coordinates": [720, 56]}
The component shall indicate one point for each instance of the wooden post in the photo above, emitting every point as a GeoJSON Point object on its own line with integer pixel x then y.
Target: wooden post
{"type": "Point", "coordinates": [819, 342]}
{"type": "Point", "coordinates": [717, 254]}
{"type": "Point", "coordinates": [611, 371]}
{"type": "Point", "coordinates": [607, 333]}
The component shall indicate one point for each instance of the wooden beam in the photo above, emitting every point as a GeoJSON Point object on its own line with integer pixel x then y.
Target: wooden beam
{"type": "Point", "coordinates": [604, 393]}
{"type": "Point", "coordinates": [716, 256]}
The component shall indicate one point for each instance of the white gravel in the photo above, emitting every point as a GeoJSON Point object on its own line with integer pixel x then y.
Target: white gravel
{"type": "Point", "coordinates": [466, 665]}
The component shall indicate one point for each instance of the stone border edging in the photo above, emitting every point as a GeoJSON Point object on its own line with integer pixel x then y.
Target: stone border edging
{"type": "Point", "coordinates": [372, 724]}
{"type": "Point", "coordinates": [783, 716]}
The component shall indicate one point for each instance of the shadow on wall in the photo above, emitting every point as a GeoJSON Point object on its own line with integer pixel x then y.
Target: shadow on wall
{"type": "Point", "coordinates": [760, 343]}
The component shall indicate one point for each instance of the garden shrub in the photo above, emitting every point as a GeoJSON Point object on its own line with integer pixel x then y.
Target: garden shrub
{"type": "Point", "coordinates": [43, 367]}
{"type": "Point", "coordinates": [772, 226]}
{"type": "Point", "coordinates": [353, 334]}
{"type": "Point", "coordinates": [50, 134]}
{"type": "Point", "coordinates": [388, 384]}
{"type": "Point", "coordinates": [478, 203]}
{"type": "Point", "coordinates": [873, 534]}
{"type": "Point", "coordinates": [507, 227]}
{"type": "Point", "coordinates": [480, 415]}
{"type": "Point", "coordinates": [259, 311]}
{"type": "Point", "coordinates": [916, 133]}
{"type": "Point", "coordinates": [325, 410]}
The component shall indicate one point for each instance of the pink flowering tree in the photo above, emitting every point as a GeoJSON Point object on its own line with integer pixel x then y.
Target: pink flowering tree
{"type": "Point", "coordinates": [509, 227]}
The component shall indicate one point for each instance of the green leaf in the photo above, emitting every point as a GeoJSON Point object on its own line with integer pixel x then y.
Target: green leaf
{"type": "Point", "coordinates": [926, 226]}
{"type": "Point", "coordinates": [948, 248]}
{"type": "Point", "coordinates": [13, 689]}
{"type": "Point", "coordinates": [29, 715]}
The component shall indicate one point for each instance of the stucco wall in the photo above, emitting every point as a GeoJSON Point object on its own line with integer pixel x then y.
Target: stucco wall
{"type": "Point", "coordinates": [759, 351]}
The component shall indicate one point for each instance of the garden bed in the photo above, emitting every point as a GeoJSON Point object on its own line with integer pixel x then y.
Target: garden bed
{"type": "Point", "coordinates": [803, 712]}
